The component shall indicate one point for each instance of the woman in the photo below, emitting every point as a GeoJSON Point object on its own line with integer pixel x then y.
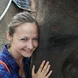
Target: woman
{"type": "Point", "coordinates": [15, 57]}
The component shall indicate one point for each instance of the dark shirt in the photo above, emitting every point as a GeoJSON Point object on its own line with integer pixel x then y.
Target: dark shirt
{"type": "Point", "coordinates": [6, 57]}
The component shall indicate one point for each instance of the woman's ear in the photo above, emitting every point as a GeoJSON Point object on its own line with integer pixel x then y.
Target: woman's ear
{"type": "Point", "coordinates": [9, 37]}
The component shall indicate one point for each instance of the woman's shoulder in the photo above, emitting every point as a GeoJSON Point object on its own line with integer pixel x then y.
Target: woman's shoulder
{"type": "Point", "coordinates": [2, 56]}
{"type": "Point", "coordinates": [4, 72]}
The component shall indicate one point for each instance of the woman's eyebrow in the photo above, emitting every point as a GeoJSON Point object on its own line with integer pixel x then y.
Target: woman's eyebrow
{"type": "Point", "coordinates": [23, 37]}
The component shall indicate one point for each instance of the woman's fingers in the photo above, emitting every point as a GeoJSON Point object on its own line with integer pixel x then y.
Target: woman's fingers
{"type": "Point", "coordinates": [33, 70]}
{"type": "Point", "coordinates": [48, 75]}
{"type": "Point", "coordinates": [47, 70]}
{"type": "Point", "coordinates": [43, 71]}
{"type": "Point", "coordinates": [45, 67]}
{"type": "Point", "coordinates": [41, 66]}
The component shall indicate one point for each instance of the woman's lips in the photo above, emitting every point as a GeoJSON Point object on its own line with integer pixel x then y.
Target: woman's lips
{"type": "Point", "coordinates": [27, 51]}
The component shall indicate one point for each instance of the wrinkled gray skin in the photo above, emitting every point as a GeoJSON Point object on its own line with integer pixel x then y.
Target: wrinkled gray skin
{"type": "Point", "coordinates": [58, 21]}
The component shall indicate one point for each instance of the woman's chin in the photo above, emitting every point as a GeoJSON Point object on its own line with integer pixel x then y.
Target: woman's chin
{"type": "Point", "coordinates": [27, 55]}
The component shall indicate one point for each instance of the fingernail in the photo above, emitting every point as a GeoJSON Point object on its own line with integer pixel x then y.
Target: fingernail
{"type": "Point", "coordinates": [51, 71]}
{"type": "Point", "coordinates": [43, 60]}
{"type": "Point", "coordinates": [48, 62]}
{"type": "Point", "coordinates": [34, 66]}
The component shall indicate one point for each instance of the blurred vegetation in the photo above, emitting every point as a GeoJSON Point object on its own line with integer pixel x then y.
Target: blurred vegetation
{"type": "Point", "coordinates": [1, 44]}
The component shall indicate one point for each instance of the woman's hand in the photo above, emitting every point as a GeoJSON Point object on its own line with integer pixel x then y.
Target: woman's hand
{"type": "Point", "coordinates": [43, 71]}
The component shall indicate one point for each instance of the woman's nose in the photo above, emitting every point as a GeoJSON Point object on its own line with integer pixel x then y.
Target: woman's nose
{"type": "Point", "coordinates": [30, 45]}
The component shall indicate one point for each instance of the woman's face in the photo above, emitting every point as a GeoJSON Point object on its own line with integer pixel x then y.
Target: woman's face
{"type": "Point", "coordinates": [24, 40]}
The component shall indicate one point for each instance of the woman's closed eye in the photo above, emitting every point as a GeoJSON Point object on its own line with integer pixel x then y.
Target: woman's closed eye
{"type": "Point", "coordinates": [24, 39]}
{"type": "Point", "coordinates": [36, 39]}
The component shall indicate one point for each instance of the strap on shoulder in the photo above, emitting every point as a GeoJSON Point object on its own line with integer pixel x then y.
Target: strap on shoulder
{"type": "Point", "coordinates": [1, 62]}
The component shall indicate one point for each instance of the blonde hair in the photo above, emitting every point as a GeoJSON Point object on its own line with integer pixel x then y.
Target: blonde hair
{"type": "Point", "coordinates": [18, 19]}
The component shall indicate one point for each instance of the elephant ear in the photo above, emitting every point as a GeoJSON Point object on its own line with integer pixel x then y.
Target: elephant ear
{"type": "Point", "coordinates": [4, 6]}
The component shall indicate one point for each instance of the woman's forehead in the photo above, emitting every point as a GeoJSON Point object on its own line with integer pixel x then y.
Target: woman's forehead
{"type": "Point", "coordinates": [27, 26]}
{"type": "Point", "coordinates": [27, 29]}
